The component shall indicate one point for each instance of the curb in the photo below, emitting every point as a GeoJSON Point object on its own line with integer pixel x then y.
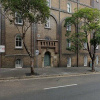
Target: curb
{"type": "Point", "coordinates": [47, 76]}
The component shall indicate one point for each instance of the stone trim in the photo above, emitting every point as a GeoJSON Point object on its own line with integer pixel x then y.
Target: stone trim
{"type": "Point", "coordinates": [80, 3]}
{"type": "Point", "coordinates": [16, 55]}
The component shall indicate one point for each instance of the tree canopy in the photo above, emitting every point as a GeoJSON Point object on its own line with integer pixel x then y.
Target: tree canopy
{"type": "Point", "coordinates": [87, 20]}
{"type": "Point", "coordinates": [29, 12]}
{"type": "Point", "coordinates": [33, 10]}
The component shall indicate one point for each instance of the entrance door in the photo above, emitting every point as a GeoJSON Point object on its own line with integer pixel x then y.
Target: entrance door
{"type": "Point", "coordinates": [47, 59]}
{"type": "Point", "coordinates": [18, 63]}
{"type": "Point", "coordinates": [69, 62]}
{"type": "Point", "coordinates": [85, 60]}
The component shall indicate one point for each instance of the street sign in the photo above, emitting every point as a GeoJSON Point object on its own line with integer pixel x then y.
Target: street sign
{"type": "Point", "coordinates": [37, 52]}
{"type": "Point", "coordinates": [2, 48]}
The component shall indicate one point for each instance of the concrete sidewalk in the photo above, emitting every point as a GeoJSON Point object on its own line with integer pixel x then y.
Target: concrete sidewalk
{"type": "Point", "coordinates": [11, 73]}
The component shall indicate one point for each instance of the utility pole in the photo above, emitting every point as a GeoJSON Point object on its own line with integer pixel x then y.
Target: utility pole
{"type": "Point", "coordinates": [77, 35]}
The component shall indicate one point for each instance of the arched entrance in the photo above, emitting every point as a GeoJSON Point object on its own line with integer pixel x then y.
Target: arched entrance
{"type": "Point", "coordinates": [47, 59]}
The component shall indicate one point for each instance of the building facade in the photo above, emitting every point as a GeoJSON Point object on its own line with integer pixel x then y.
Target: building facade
{"type": "Point", "coordinates": [49, 38]}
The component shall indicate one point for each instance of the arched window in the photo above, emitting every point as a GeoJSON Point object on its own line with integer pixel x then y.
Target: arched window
{"type": "Point", "coordinates": [18, 63]}
{"type": "Point", "coordinates": [18, 41]}
{"type": "Point", "coordinates": [69, 7]}
{"type": "Point", "coordinates": [47, 24]}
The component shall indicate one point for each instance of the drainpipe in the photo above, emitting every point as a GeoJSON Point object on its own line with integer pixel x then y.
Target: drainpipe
{"type": "Point", "coordinates": [59, 37]}
{"type": "Point", "coordinates": [0, 34]}
{"type": "Point", "coordinates": [34, 40]}
{"type": "Point", "coordinates": [77, 35]}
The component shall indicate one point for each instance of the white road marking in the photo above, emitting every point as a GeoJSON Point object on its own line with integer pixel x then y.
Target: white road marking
{"type": "Point", "coordinates": [60, 86]}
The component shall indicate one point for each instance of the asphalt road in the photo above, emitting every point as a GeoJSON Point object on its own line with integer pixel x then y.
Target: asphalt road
{"type": "Point", "coordinates": [86, 87]}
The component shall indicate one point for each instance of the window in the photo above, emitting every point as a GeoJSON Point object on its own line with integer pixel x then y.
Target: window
{"type": "Point", "coordinates": [18, 63]}
{"type": "Point", "coordinates": [69, 7]}
{"type": "Point", "coordinates": [85, 45]}
{"type": "Point", "coordinates": [18, 19]}
{"type": "Point", "coordinates": [68, 43]}
{"type": "Point", "coordinates": [97, 0]}
{"type": "Point", "coordinates": [18, 41]}
{"type": "Point", "coordinates": [68, 28]}
{"type": "Point", "coordinates": [69, 62]}
{"type": "Point", "coordinates": [49, 3]}
{"type": "Point", "coordinates": [85, 60]}
{"type": "Point", "coordinates": [97, 47]}
{"type": "Point", "coordinates": [97, 60]}
{"type": "Point", "coordinates": [47, 25]}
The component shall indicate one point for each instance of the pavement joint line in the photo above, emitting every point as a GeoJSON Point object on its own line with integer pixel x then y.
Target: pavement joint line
{"type": "Point", "coordinates": [45, 77]}
{"type": "Point", "coordinates": [60, 86]}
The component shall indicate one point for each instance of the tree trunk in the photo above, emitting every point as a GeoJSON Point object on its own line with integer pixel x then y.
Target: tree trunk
{"type": "Point", "coordinates": [32, 66]}
{"type": "Point", "coordinates": [93, 65]}
{"type": "Point", "coordinates": [32, 58]}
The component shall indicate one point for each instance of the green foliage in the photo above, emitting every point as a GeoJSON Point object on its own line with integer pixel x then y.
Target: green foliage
{"type": "Point", "coordinates": [33, 10]}
{"type": "Point", "coordinates": [87, 20]}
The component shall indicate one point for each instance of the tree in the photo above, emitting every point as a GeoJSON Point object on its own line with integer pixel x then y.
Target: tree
{"type": "Point", "coordinates": [30, 12]}
{"type": "Point", "coordinates": [88, 22]}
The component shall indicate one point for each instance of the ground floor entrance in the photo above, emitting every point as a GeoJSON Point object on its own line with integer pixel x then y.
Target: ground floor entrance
{"type": "Point", "coordinates": [47, 59]}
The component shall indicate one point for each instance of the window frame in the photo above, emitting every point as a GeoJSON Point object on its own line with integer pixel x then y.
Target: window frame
{"type": "Point", "coordinates": [18, 47]}
{"type": "Point", "coordinates": [68, 27]}
{"type": "Point", "coordinates": [18, 20]}
{"type": "Point", "coordinates": [49, 3]}
{"type": "Point", "coordinates": [69, 7]}
{"type": "Point", "coordinates": [85, 45]}
{"type": "Point", "coordinates": [69, 62]}
{"type": "Point", "coordinates": [97, 47]}
{"type": "Point", "coordinates": [97, 60]}
{"type": "Point", "coordinates": [97, 1]}
{"type": "Point", "coordinates": [20, 65]}
{"type": "Point", "coordinates": [85, 59]}
{"type": "Point", "coordinates": [47, 23]}
{"type": "Point", "coordinates": [68, 43]}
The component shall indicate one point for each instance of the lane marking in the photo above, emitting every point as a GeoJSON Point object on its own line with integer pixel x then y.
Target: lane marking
{"type": "Point", "coordinates": [60, 86]}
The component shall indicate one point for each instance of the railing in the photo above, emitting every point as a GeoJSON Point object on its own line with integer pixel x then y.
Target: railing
{"type": "Point", "coordinates": [47, 44]}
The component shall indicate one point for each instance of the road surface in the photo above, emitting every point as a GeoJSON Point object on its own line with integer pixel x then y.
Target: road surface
{"type": "Point", "coordinates": [85, 87]}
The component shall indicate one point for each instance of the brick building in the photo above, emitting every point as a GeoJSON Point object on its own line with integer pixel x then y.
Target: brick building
{"type": "Point", "coordinates": [50, 39]}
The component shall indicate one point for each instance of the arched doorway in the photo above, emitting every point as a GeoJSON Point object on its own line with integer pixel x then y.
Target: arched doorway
{"type": "Point", "coordinates": [47, 59]}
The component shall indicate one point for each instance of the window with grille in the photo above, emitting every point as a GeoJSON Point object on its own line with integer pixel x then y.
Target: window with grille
{"type": "Point", "coordinates": [97, 47]}
{"type": "Point", "coordinates": [69, 7]}
{"type": "Point", "coordinates": [97, 60]}
{"type": "Point", "coordinates": [49, 3]}
{"type": "Point", "coordinates": [85, 60]}
{"type": "Point", "coordinates": [18, 19]}
{"type": "Point", "coordinates": [85, 45]}
{"type": "Point", "coordinates": [18, 63]}
{"type": "Point", "coordinates": [68, 43]}
{"type": "Point", "coordinates": [69, 62]}
{"type": "Point", "coordinates": [47, 24]}
{"type": "Point", "coordinates": [18, 41]}
{"type": "Point", "coordinates": [68, 27]}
